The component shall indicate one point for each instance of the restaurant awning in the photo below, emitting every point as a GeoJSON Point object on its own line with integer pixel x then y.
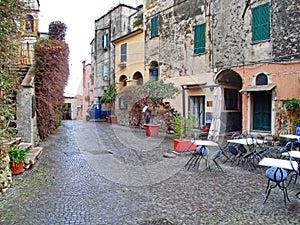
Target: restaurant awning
{"type": "Point", "coordinates": [251, 88]}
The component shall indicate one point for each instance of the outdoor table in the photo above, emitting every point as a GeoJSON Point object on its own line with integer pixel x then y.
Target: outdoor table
{"type": "Point", "coordinates": [281, 163]}
{"type": "Point", "coordinates": [290, 136]}
{"type": "Point", "coordinates": [246, 141]}
{"type": "Point", "coordinates": [205, 143]}
{"type": "Point", "coordinates": [293, 154]}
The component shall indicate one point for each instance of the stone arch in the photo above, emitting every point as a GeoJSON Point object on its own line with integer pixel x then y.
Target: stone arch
{"type": "Point", "coordinates": [261, 79]}
{"type": "Point", "coordinates": [138, 77]}
{"type": "Point", "coordinates": [230, 83]}
{"type": "Point", "coordinates": [153, 70]}
{"type": "Point", "coordinates": [123, 79]}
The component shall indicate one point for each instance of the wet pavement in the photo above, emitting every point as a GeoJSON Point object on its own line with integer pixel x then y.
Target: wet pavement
{"type": "Point", "coordinates": [100, 173]}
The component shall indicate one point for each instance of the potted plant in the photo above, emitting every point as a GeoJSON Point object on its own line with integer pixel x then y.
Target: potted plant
{"type": "Point", "coordinates": [17, 158]}
{"type": "Point", "coordinates": [183, 128]}
{"type": "Point", "coordinates": [292, 105]}
{"type": "Point", "coordinates": [110, 97]}
{"type": "Point", "coordinates": [153, 93]}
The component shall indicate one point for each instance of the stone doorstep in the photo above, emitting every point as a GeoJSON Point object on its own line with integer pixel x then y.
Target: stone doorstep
{"type": "Point", "coordinates": [32, 156]}
{"type": "Point", "coordinates": [24, 145]}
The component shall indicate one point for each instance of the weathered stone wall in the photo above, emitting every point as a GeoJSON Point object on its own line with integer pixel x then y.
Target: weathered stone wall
{"type": "Point", "coordinates": [174, 48]}
{"type": "Point", "coordinates": [285, 29]}
{"type": "Point", "coordinates": [232, 35]}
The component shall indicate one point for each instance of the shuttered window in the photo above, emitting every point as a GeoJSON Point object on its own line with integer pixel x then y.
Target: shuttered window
{"type": "Point", "coordinates": [261, 23]}
{"type": "Point", "coordinates": [124, 52]}
{"type": "Point", "coordinates": [154, 27]}
{"type": "Point", "coordinates": [199, 38]}
{"type": "Point", "coordinates": [105, 41]}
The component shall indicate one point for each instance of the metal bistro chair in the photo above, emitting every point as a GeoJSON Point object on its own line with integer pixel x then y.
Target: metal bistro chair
{"type": "Point", "coordinates": [278, 176]}
{"type": "Point", "coordinates": [214, 158]}
{"type": "Point", "coordinates": [201, 152]}
{"type": "Point", "coordinates": [295, 171]}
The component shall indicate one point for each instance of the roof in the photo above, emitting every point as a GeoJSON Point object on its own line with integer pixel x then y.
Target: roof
{"type": "Point", "coordinates": [251, 88]}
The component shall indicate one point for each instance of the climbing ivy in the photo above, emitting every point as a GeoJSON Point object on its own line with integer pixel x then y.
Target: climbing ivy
{"type": "Point", "coordinates": [52, 71]}
{"type": "Point", "coordinates": [10, 14]}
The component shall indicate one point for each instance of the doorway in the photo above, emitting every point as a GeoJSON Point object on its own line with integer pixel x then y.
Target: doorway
{"type": "Point", "coordinates": [261, 111]}
{"type": "Point", "coordinates": [197, 107]}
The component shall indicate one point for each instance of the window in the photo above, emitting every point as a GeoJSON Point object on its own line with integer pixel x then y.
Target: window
{"type": "Point", "coordinates": [261, 79]}
{"type": "Point", "coordinates": [105, 40]}
{"type": "Point", "coordinates": [124, 52]}
{"type": "Point", "coordinates": [154, 27]}
{"type": "Point", "coordinates": [122, 103]}
{"type": "Point", "coordinates": [261, 23]}
{"type": "Point", "coordinates": [231, 99]}
{"type": "Point", "coordinates": [199, 39]}
{"type": "Point", "coordinates": [105, 70]}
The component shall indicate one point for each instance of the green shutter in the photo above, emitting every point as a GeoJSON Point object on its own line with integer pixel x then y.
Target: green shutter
{"type": "Point", "coordinates": [103, 44]}
{"type": "Point", "coordinates": [154, 26]}
{"type": "Point", "coordinates": [199, 38]}
{"type": "Point", "coordinates": [261, 23]}
{"type": "Point", "coordinates": [106, 40]}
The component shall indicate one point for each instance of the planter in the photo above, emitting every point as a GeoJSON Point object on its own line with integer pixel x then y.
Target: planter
{"type": "Point", "coordinates": [17, 168]}
{"type": "Point", "coordinates": [205, 128]}
{"type": "Point", "coordinates": [183, 145]}
{"type": "Point", "coordinates": [114, 119]}
{"type": "Point", "coordinates": [151, 129]}
{"type": "Point", "coordinates": [108, 119]}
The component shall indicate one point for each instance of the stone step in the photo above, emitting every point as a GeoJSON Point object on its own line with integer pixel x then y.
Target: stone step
{"type": "Point", "coordinates": [32, 156]}
{"type": "Point", "coordinates": [24, 145]}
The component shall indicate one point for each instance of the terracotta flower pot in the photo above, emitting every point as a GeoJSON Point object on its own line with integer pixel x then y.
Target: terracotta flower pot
{"type": "Point", "coordinates": [16, 168]}
{"type": "Point", "coordinates": [151, 129]}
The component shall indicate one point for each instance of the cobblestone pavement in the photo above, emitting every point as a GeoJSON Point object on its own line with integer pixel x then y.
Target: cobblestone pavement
{"type": "Point", "coordinates": [99, 173]}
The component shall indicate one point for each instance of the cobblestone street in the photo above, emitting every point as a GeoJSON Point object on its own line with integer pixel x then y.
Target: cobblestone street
{"type": "Point", "coordinates": [100, 173]}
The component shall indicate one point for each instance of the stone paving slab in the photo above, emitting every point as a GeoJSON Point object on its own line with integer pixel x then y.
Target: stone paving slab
{"type": "Point", "coordinates": [88, 175]}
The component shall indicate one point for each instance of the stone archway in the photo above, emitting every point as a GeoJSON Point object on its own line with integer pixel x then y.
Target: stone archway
{"type": "Point", "coordinates": [123, 80]}
{"type": "Point", "coordinates": [231, 115]}
{"type": "Point", "coordinates": [138, 77]}
{"type": "Point", "coordinates": [153, 70]}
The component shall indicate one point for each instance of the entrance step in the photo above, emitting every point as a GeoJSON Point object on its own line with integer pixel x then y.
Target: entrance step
{"type": "Point", "coordinates": [32, 156]}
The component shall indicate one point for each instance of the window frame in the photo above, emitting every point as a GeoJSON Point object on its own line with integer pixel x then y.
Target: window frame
{"type": "Point", "coordinates": [200, 39]}
{"type": "Point", "coordinates": [105, 40]}
{"type": "Point", "coordinates": [123, 56]}
{"type": "Point", "coordinates": [261, 23]}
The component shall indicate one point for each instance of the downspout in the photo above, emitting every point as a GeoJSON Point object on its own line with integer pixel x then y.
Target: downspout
{"type": "Point", "coordinates": [183, 101]}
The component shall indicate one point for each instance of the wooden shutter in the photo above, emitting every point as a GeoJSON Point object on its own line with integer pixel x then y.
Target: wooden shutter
{"type": "Point", "coordinates": [261, 23]}
{"type": "Point", "coordinates": [199, 38]}
{"type": "Point", "coordinates": [154, 26]}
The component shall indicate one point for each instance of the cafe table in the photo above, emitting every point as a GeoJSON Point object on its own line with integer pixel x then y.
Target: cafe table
{"type": "Point", "coordinates": [281, 163]}
{"type": "Point", "coordinates": [290, 136]}
{"type": "Point", "coordinates": [293, 154]}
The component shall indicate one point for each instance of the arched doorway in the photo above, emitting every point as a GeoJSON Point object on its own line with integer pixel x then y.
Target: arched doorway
{"type": "Point", "coordinates": [153, 70]}
{"type": "Point", "coordinates": [123, 79]}
{"type": "Point", "coordinates": [231, 115]}
{"type": "Point", "coordinates": [138, 77]}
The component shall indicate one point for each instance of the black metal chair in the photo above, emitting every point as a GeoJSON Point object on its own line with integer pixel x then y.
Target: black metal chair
{"type": "Point", "coordinates": [295, 172]}
{"type": "Point", "coordinates": [214, 158]}
{"type": "Point", "coordinates": [201, 152]}
{"type": "Point", "coordinates": [278, 176]}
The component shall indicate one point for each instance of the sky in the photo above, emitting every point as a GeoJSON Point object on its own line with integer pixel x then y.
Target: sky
{"type": "Point", "coordinates": [79, 17]}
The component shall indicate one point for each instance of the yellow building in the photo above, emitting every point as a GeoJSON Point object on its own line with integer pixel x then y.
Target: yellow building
{"type": "Point", "coordinates": [129, 72]}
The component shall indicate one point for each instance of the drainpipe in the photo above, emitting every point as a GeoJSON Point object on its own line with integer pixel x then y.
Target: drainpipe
{"type": "Point", "coordinates": [183, 101]}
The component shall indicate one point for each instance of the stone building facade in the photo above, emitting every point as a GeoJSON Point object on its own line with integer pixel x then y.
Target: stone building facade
{"type": "Point", "coordinates": [249, 49]}
{"type": "Point", "coordinates": [112, 25]}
